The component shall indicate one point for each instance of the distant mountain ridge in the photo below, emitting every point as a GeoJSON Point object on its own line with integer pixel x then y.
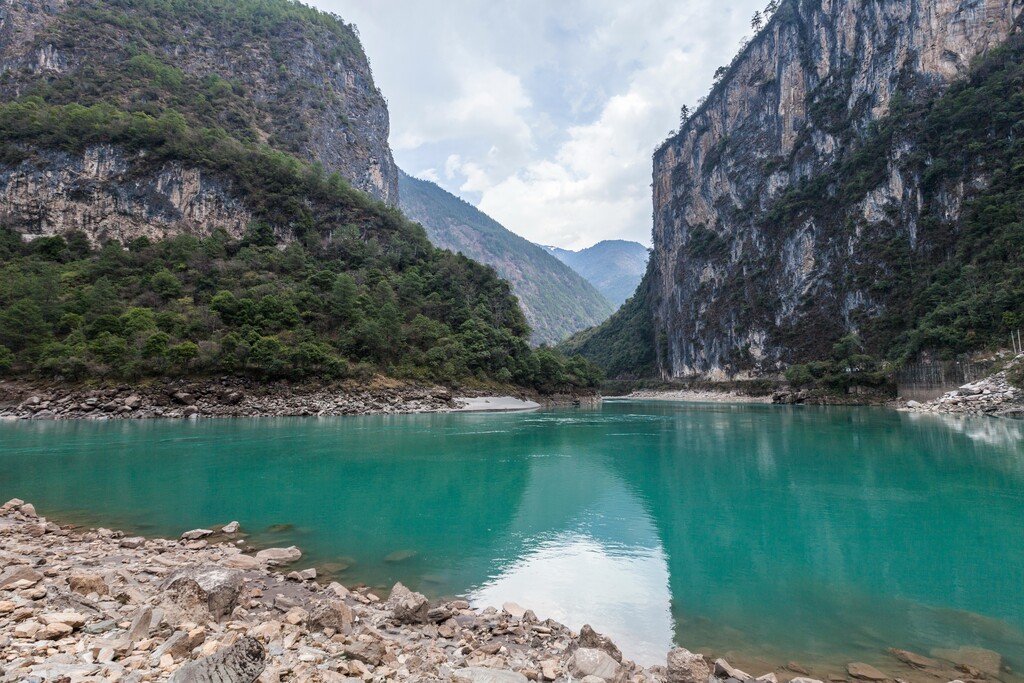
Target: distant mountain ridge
{"type": "Point", "coordinates": [557, 300]}
{"type": "Point", "coordinates": [615, 267]}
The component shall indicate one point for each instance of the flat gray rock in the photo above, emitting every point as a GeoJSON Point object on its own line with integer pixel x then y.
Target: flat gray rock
{"type": "Point", "coordinates": [480, 674]}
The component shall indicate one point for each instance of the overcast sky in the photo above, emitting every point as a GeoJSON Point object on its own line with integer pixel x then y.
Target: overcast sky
{"type": "Point", "coordinates": [544, 113]}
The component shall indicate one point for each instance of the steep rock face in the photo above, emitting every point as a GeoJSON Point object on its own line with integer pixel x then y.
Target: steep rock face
{"type": "Point", "coordinates": [299, 81]}
{"type": "Point", "coordinates": [110, 195]}
{"type": "Point", "coordinates": [737, 290]}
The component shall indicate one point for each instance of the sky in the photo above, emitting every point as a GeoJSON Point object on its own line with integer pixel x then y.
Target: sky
{"type": "Point", "coordinates": [544, 113]}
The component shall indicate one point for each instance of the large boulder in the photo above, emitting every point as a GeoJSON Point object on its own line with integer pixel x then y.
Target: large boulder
{"type": "Point", "coordinates": [686, 667]}
{"type": "Point", "coordinates": [200, 591]}
{"type": "Point", "coordinates": [588, 661]}
{"type": "Point", "coordinates": [408, 607]}
{"type": "Point", "coordinates": [242, 662]}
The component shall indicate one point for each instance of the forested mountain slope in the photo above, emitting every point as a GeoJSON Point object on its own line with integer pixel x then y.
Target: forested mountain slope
{"type": "Point", "coordinates": [615, 267]}
{"type": "Point", "coordinates": [854, 171]}
{"type": "Point", "coordinates": [556, 300]}
{"type": "Point", "coordinates": [175, 199]}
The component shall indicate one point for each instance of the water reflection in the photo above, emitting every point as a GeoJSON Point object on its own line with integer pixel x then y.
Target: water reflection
{"type": "Point", "coordinates": [586, 551]}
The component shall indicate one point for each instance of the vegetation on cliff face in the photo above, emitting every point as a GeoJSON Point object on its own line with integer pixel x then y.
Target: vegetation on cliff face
{"type": "Point", "coordinates": [326, 282]}
{"type": "Point", "coordinates": [557, 301]}
{"type": "Point", "coordinates": [958, 284]}
{"type": "Point", "coordinates": [624, 345]}
{"type": "Point", "coordinates": [952, 284]}
{"type": "Point", "coordinates": [332, 309]}
{"type": "Point", "coordinates": [274, 71]}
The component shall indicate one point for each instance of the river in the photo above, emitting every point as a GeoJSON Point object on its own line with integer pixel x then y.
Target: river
{"type": "Point", "coordinates": [762, 533]}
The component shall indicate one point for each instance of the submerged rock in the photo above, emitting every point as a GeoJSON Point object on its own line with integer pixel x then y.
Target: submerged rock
{"type": "Point", "coordinates": [985, 661]}
{"type": "Point", "coordinates": [865, 672]}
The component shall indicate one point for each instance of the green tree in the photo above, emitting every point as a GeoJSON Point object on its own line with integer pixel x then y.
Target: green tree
{"type": "Point", "coordinates": [22, 325]}
{"type": "Point", "coordinates": [183, 354]}
{"type": "Point", "coordinates": [165, 284]}
{"type": "Point", "coordinates": [6, 360]}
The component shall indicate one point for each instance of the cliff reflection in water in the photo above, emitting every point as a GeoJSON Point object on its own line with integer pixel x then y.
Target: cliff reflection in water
{"type": "Point", "coordinates": [586, 552]}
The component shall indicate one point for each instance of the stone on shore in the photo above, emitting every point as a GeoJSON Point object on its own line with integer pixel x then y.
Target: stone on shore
{"type": "Point", "coordinates": [278, 556]}
{"type": "Point", "coordinates": [242, 662]}
{"type": "Point", "coordinates": [244, 562]}
{"type": "Point", "coordinates": [725, 670]}
{"type": "Point", "coordinates": [804, 679]}
{"type": "Point", "coordinates": [196, 534]}
{"type": "Point", "coordinates": [687, 667]}
{"type": "Point", "coordinates": [200, 592]}
{"type": "Point", "coordinates": [72, 619]}
{"type": "Point", "coordinates": [479, 674]}
{"type": "Point", "coordinates": [592, 639]}
{"type": "Point", "coordinates": [408, 607]}
{"type": "Point", "coordinates": [231, 528]}
{"type": "Point", "coordinates": [514, 610]}
{"type": "Point", "coordinates": [588, 661]}
{"type": "Point", "coordinates": [333, 614]}
{"type": "Point", "coordinates": [18, 577]}
{"type": "Point", "coordinates": [85, 584]}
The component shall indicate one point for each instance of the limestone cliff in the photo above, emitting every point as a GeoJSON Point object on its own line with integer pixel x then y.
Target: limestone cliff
{"type": "Point", "coordinates": [278, 73]}
{"type": "Point", "coordinates": [111, 195]}
{"type": "Point", "coordinates": [738, 286]}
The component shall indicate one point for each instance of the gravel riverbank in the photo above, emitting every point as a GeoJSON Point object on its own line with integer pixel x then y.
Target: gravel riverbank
{"type": "Point", "coordinates": [694, 396]}
{"type": "Point", "coordinates": [236, 397]}
{"type": "Point", "coordinates": [80, 606]}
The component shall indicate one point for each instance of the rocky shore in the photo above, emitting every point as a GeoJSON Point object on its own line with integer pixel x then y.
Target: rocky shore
{"type": "Point", "coordinates": [80, 606]}
{"type": "Point", "coordinates": [994, 396]}
{"type": "Point", "coordinates": [239, 397]}
{"type": "Point", "coordinates": [694, 396]}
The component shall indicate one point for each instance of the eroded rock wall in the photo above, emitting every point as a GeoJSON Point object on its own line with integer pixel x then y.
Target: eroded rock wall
{"type": "Point", "coordinates": [110, 195]}
{"type": "Point", "coordinates": [736, 294]}
{"type": "Point", "coordinates": [311, 87]}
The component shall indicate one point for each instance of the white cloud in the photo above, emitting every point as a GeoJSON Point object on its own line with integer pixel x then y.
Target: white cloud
{"type": "Point", "coordinates": [544, 114]}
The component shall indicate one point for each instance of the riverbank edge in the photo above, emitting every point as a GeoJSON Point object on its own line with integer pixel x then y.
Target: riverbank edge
{"type": "Point", "coordinates": [88, 604]}
{"type": "Point", "coordinates": [95, 604]}
{"type": "Point", "coordinates": [242, 397]}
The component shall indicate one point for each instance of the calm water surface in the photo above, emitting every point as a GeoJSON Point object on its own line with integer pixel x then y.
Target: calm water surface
{"type": "Point", "coordinates": [762, 533]}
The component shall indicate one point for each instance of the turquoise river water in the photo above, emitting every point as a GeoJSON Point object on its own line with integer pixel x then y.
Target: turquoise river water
{"type": "Point", "coordinates": [758, 532]}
